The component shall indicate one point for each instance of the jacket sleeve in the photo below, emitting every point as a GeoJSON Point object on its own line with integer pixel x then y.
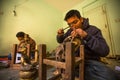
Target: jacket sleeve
{"type": "Point", "coordinates": [61, 38]}
{"type": "Point", "coordinates": [97, 43]}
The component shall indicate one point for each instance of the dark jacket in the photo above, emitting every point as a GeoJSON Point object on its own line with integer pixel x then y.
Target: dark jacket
{"type": "Point", "coordinates": [95, 44]}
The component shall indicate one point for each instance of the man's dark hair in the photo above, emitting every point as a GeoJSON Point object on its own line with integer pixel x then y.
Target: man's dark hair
{"type": "Point", "coordinates": [72, 13]}
{"type": "Point", "coordinates": [20, 34]}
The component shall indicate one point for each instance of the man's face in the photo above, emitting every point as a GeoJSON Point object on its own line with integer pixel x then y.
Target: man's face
{"type": "Point", "coordinates": [20, 38]}
{"type": "Point", "coordinates": [74, 22]}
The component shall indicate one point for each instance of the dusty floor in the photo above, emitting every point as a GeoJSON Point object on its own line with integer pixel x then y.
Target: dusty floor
{"type": "Point", "coordinates": [10, 74]}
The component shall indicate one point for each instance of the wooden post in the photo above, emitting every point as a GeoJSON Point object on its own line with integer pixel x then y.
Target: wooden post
{"type": "Point", "coordinates": [29, 50]}
{"type": "Point", "coordinates": [14, 51]}
{"type": "Point", "coordinates": [36, 53]}
{"type": "Point", "coordinates": [70, 61]}
{"type": "Point", "coordinates": [81, 65]}
{"type": "Point", "coordinates": [42, 66]}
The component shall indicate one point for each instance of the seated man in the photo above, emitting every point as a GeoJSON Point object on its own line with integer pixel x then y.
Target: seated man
{"type": "Point", "coordinates": [32, 42]}
{"type": "Point", "coordinates": [22, 47]}
{"type": "Point", "coordinates": [95, 46]}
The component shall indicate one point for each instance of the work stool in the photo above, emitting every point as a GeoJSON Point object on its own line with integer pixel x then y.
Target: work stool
{"type": "Point", "coordinates": [69, 65]}
{"type": "Point", "coordinates": [15, 65]}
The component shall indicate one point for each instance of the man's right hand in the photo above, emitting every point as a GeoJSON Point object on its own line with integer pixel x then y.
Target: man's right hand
{"type": "Point", "coordinates": [60, 32]}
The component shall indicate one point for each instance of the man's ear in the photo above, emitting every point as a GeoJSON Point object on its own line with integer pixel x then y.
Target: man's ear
{"type": "Point", "coordinates": [81, 19]}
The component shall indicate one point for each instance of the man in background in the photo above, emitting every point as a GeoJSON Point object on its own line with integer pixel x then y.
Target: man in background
{"type": "Point", "coordinates": [25, 39]}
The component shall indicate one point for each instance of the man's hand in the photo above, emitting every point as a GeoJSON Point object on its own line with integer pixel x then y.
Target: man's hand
{"type": "Point", "coordinates": [73, 34]}
{"type": "Point", "coordinates": [60, 32]}
{"type": "Point", "coordinates": [81, 32]}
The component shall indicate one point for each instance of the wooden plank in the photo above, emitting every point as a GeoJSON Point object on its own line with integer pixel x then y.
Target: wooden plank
{"type": "Point", "coordinates": [16, 66]}
{"type": "Point", "coordinates": [54, 63]}
{"type": "Point", "coordinates": [78, 60]}
{"type": "Point", "coordinates": [55, 77]}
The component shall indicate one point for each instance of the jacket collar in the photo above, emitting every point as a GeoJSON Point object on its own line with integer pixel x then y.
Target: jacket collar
{"type": "Point", "coordinates": [85, 23]}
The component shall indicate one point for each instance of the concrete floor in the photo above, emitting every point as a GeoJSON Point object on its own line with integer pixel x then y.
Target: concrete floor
{"type": "Point", "coordinates": [13, 74]}
{"type": "Point", "coordinates": [10, 74]}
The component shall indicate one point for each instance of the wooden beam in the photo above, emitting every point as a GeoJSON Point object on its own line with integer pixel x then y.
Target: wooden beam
{"type": "Point", "coordinates": [56, 77]}
{"type": "Point", "coordinates": [54, 63]}
{"type": "Point", "coordinates": [78, 60]}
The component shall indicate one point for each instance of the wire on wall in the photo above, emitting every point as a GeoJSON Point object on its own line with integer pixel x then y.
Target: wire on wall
{"type": "Point", "coordinates": [17, 5]}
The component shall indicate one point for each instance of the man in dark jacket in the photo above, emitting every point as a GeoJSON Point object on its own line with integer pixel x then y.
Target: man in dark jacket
{"type": "Point", "coordinates": [94, 43]}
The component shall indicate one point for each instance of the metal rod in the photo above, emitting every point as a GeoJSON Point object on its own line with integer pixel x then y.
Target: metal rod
{"type": "Point", "coordinates": [66, 28]}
